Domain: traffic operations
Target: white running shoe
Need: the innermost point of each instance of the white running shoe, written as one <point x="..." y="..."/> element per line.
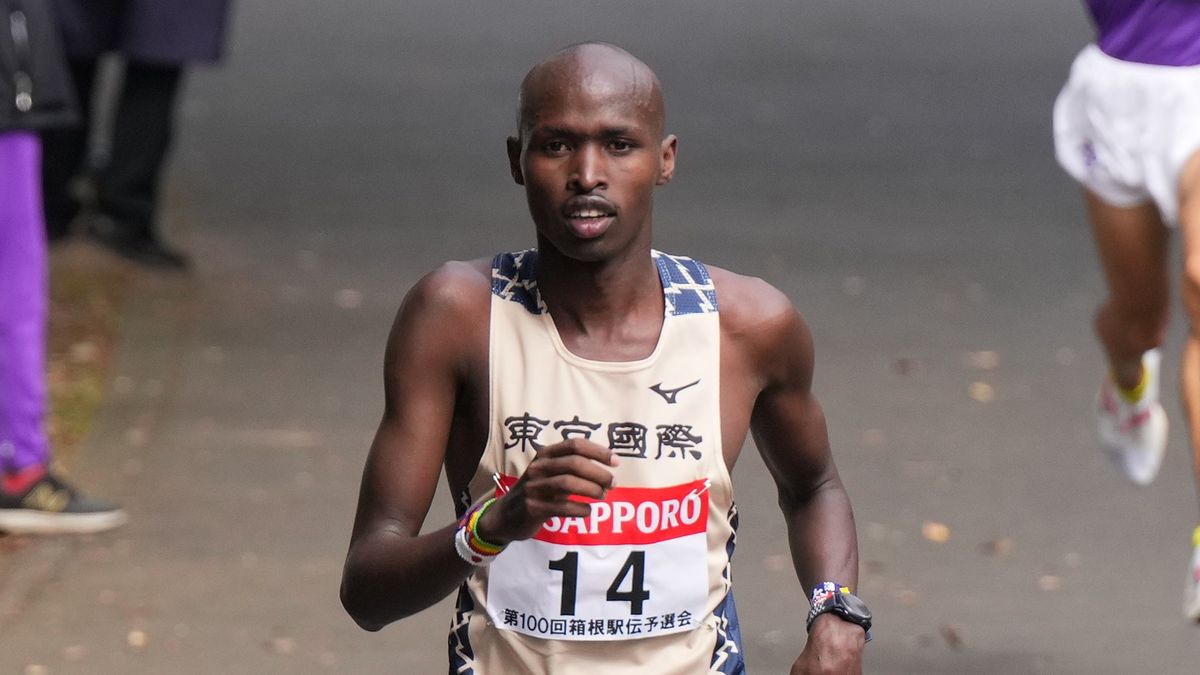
<point x="1191" y="592"/>
<point x="1134" y="434"/>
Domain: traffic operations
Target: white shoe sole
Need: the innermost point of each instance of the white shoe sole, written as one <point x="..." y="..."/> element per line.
<point x="28" y="521"/>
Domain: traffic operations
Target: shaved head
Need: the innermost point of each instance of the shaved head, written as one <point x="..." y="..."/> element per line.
<point x="597" y="68"/>
<point x="590" y="150"/>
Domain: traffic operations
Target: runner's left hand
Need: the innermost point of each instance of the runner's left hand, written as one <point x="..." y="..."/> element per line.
<point x="834" y="648"/>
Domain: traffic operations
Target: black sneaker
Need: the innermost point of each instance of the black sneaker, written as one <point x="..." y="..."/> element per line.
<point x="144" y="249"/>
<point x="50" y="506"/>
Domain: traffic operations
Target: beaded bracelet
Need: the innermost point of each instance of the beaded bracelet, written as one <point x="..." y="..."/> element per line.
<point x="467" y="542"/>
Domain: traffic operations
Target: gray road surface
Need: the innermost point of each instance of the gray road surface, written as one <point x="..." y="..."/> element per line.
<point x="887" y="164"/>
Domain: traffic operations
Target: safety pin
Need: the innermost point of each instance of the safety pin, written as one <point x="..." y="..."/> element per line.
<point x="496" y="480"/>
<point x="699" y="491"/>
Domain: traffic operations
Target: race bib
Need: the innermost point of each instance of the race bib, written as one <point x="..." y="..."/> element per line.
<point x="636" y="567"/>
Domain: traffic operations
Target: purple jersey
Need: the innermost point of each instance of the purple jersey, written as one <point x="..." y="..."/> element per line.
<point x="1159" y="32"/>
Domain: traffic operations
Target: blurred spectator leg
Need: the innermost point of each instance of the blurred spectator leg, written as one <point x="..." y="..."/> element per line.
<point x="64" y="149"/>
<point x="128" y="186"/>
<point x="23" y="307"/>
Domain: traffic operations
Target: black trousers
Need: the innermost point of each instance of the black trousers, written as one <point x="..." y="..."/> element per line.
<point x="127" y="185"/>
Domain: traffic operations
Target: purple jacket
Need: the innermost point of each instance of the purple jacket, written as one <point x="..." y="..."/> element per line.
<point x="153" y="31"/>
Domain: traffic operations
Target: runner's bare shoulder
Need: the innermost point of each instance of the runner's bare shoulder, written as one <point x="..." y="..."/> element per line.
<point x="762" y="323"/>
<point x="446" y="310"/>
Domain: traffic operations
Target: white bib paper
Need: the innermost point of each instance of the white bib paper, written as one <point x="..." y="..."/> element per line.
<point x="637" y="567"/>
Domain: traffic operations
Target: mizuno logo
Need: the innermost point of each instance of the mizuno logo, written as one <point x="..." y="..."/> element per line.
<point x="669" y="395"/>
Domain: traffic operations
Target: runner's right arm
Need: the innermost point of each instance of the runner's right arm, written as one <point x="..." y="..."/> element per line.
<point x="437" y="342"/>
<point x="391" y="570"/>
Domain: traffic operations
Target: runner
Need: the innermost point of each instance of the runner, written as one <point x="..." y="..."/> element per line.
<point x="1127" y="127"/>
<point x="587" y="401"/>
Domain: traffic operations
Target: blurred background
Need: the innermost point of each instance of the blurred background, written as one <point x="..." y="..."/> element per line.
<point x="889" y="165"/>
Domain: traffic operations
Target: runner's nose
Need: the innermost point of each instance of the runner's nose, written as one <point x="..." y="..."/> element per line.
<point x="587" y="170"/>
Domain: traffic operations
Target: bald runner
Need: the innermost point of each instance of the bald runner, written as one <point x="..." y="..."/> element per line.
<point x="587" y="400"/>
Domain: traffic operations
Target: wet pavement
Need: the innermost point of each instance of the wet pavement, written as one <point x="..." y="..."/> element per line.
<point x="888" y="165"/>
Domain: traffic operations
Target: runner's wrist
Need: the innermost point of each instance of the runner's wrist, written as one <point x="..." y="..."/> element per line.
<point x="468" y="544"/>
<point x="487" y="527"/>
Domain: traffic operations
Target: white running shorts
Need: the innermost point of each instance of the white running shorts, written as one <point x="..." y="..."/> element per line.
<point x="1125" y="130"/>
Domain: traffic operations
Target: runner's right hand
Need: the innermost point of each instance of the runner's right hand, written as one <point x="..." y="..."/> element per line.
<point x="572" y="467"/>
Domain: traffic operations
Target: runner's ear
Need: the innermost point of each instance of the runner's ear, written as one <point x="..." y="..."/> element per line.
<point x="667" y="166"/>
<point x="514" y="159"/>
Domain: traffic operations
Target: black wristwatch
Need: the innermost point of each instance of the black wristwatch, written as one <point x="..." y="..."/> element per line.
<point x="838" y="600"/>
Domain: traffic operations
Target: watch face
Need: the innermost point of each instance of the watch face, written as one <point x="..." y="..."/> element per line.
<point x="856" y="605"/>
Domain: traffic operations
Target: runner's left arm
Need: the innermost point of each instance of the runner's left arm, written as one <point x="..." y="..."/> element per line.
<point x="789" y="430"/>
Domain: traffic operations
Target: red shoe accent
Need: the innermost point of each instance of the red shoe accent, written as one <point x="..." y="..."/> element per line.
<point x="1136" y="420"/>
<point x="1108" y="401"/>
<point x="17" y="483"/>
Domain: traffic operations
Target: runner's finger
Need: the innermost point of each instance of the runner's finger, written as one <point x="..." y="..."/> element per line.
<point x="581" y="447"/>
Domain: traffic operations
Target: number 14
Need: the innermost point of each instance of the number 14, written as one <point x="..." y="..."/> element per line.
<point x="635" y="596"/>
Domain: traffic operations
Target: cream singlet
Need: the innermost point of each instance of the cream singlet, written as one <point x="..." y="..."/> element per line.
<point x="642" y="585"/>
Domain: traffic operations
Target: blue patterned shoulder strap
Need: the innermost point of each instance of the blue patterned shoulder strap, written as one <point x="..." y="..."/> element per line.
<point x="514" y="278"/>
<point x="687" y="288"/>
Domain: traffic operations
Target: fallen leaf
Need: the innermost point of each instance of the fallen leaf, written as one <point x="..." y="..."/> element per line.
<point x="348" y="298"/>
<point x="123" y="384"/>
<point x="854" y="285"/>
<point x="982" y="360"/>
<point x="84" y="352"/>
<point x="74" y="652"/>
<point x="777" y="563"/>
<point x="952" y="634"/>
<point x="906" y="366"/>
<point x="1065" y="356"/>
<point x="874" y="438"/>
<point x="137" y="639"/>
<point x="1049" y="582"/>
<point x="773" y="637"/>
<point x="999" y="547"/>
<point x="981" y="392"/>
<point x="935" y="532"/>
<point x="137" y="437"/>
<point x="282" y="645"/>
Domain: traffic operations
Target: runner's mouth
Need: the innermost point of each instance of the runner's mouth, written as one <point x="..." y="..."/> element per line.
<point x="588" y="222"/>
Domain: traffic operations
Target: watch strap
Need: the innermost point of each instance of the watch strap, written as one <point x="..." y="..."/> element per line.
<point x="833" y="598"/>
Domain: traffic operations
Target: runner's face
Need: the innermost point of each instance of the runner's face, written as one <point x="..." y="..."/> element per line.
<point x="590" y="159"/>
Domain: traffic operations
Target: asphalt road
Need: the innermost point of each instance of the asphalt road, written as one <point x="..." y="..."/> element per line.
<point x="887" y="164"/>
